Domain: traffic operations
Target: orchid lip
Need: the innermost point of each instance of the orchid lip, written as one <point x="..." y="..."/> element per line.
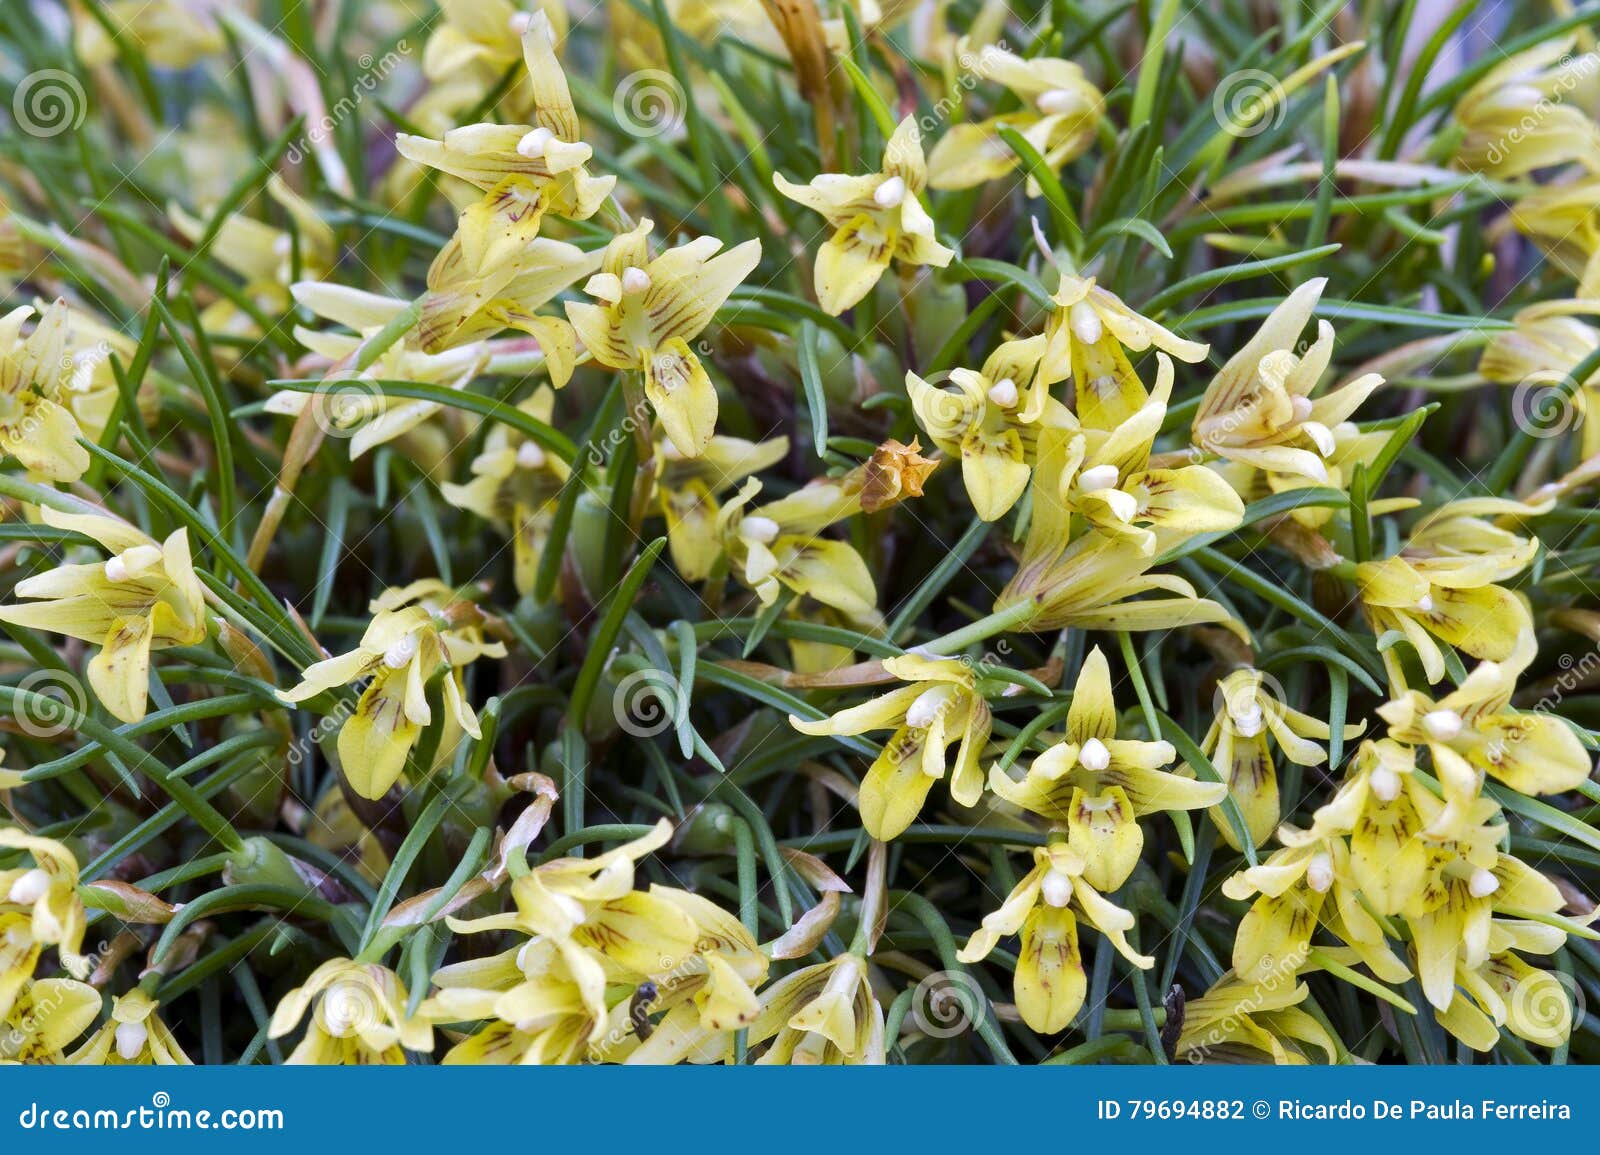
<point x="1004" y="393"/>
<point x="400" y="652"/>
<point x="534" y="143"/>
<point x="29" y="887"/>
<point x="759" y="529"/>
<point x="1056" y="888"/>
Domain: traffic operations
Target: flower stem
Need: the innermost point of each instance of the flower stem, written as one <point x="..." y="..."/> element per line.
<point x="999" y="622"/>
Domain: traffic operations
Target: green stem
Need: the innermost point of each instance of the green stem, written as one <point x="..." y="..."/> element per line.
<point x="999" y="622"/>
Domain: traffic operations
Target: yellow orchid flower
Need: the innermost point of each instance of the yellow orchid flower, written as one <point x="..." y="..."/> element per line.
<point x="46" y="1016"/>
<point x="686" y="491"/>
<point x="1306" y="884"/>
<point x="553" y="1000"/>
<point x="525" y="169"/>
<point x="1090" y="334"/>
<point x="39" y="907"/>
<point x="702" y="1001"/>
<point x="349" y="403"/>
<point x="650" y="309"/>
<point x="1351" y="447"/>
<point x="476" y="288"/>
<point x="780" y="545"/>
<point x="1044" y="910"/>
<point x="1236" y="1017"/>
<point x="1093" y="581"/>
<point x="592" y="933"/>
<point x="1059" y="113"/>
<point x="1472" y="731"/>
<point x="1258" y="409"/>
<point x="1096" y="785"/>
<point x="1108" y="479"/>
<point x="824" y="1014"/>
<point x="1451" y="596"/>
<point x="88" y="384"/>
<point x="1542" y="349"/>
<point x="1452" y="920"/>
<point x="417" y="632"/>
<point x="590" y="910"/>
<point x="535" y="1011"/>
<point x="19" y="953"/>
<point x="941" y="705"/>
<point x="877" y="218"/>
<point x="1239" y="742"/>
<point x="1521" y="117"/>
<point x="1384" y="809"/>
<point x="37" y="428"/>
<point x="134" y="1035"/>
<point x="144" y="597"/>
<point x="485" y="280"/>
<point x="474" y="43"/>
<point x="990" y="421"/>
<point x="515" y="485"/>
<point x="358" y="1017"/>
<point x="1565" y="222"/>
<point x="1505" y="991"/>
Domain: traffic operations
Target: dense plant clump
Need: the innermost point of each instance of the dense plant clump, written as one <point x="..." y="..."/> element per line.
<point x="799" y="531"/>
